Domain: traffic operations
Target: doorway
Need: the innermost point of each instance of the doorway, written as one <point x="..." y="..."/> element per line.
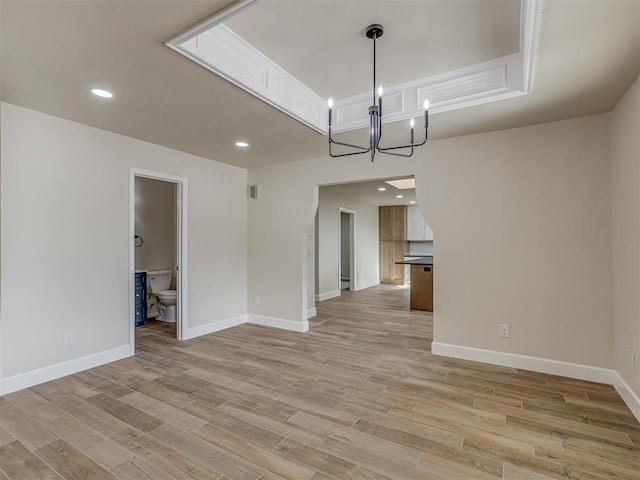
<point x="347" y="249"/>
<point x="157" y="253"/>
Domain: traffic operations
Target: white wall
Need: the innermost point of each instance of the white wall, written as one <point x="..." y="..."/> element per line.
<point x="625" y="155"/>
<point x="366" y="242"/>
<point x="538" y="200"/>
<point x="65" y="238"/>
<point x="285" y="209"/>
<point x="155" y="223"/>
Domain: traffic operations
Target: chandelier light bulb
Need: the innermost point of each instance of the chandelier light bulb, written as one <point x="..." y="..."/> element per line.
<point x="412" y="123"/>
<point x="380" y="91"/>
<point x="426" y="104"/>
<point x="330" y="102"/>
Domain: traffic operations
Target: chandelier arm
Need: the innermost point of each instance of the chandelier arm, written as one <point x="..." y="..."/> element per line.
<point x="364" y="149"/>
<point x="332" y="141"/>
<point x="406" y="155"/>
<point x="410" y="145"/>
<point x="346" y="154"/>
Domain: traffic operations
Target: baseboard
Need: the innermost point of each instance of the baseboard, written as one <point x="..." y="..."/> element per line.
<point x="524" y="362"/>
<point x="215" y="326"/>
<point x="544" y="365"/>
<point x="312" y="312"/>
<point x="46" y="374"/>
<point x="326" y="296"/>
<point x="628" y="395"/>
<point x="278" y="323"/>
<point x="367" y="285"/>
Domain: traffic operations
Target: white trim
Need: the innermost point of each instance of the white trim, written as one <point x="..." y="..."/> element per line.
<point x="628" y="395"/>
<point x="218" y="49"/>
<point x="278" y="323"/>
<point x="529" y="22"/>
<point x="181" y="247"/>
<point x="352" y="247"/>
<point x="544" y="365"/>
<point x="51" y="372"/>
<point x="312" y="312"/>
<point x="215" y="326"/>
<point x="211" y="22"/>
<point x="223" y="52"/>
<point x="524" y="362"/>
<point x="326" y="296"/>
<point x="373" y="283"/>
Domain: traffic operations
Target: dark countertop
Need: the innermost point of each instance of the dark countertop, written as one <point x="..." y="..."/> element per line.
<point x="417" y="261"/>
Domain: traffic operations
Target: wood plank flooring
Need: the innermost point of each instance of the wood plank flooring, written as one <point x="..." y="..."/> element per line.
<point x="357" y="397"/>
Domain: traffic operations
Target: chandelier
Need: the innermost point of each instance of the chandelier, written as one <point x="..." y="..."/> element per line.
<point x="375" y="117"/>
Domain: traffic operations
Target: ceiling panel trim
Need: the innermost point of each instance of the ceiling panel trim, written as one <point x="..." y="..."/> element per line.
<point x="225" y="53"/>
<point x="219" y="49"/>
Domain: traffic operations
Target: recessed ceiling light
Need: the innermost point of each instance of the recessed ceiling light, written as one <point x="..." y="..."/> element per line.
<point x="242" y="144"/>
<point x="381" y="189"/>
<point x="412" y="201"/>
<point x="398" y="196"/>
<point x="102" y="93"/>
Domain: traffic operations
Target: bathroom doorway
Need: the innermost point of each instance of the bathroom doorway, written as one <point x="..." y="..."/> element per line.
<point x="157" y="258"/>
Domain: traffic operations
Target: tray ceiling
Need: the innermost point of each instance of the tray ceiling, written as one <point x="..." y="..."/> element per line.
<point x="455" y="54"/>
<point x="55" y="51"/>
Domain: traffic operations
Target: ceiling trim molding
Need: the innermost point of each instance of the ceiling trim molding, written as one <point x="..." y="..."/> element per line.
<point x="220" y="50"/>
<point x="529" y="22"/>
<point x="210" y="22"/>
<point x="228" y="55"/>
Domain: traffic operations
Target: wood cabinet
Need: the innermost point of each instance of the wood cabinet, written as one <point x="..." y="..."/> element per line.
<point x="392" y="222"/>
<point x="417" y="228"/>
<point x="391" y="251"/>
<point x="421" y="288"/>
<point x="392" y="243"/>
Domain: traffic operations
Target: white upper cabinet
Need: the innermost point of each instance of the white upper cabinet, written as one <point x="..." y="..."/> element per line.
<point x="417" y="228"/>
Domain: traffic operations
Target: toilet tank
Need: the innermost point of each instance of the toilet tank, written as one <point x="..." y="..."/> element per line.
<point x="159" y="280"/>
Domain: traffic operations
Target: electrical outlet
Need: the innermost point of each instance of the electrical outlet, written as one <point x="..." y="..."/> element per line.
<point x="632" y="361"/>
<point x="67" y="338"/>
<point x="256" y="300"/>
<point x="504" y="330"/>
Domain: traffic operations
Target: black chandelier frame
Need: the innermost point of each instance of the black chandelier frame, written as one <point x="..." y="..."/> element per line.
<point x="374" y="32"/>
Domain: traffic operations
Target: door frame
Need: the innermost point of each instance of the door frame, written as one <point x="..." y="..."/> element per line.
<point x="352" y="247"/>
<point x="181" y="249"/>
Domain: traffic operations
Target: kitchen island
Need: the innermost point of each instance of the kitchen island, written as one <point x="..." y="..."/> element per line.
<point x="421" y="297"/>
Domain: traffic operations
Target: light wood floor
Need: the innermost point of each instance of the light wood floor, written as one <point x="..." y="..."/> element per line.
<point x="357" y="397"/>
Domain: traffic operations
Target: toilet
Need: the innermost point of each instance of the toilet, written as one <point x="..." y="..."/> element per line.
<point x="159" y="282"/>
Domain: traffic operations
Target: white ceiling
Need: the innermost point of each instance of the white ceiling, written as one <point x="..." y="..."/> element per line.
<point x="324" y="46"/>
<point x="367" y="192"/>
<point x="54" y="51"/>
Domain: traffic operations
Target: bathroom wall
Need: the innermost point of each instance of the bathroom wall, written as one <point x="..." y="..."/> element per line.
<point x="155" y="222"/>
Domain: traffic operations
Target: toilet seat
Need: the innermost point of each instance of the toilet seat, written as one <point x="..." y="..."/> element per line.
<point x="168" y="294"/>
